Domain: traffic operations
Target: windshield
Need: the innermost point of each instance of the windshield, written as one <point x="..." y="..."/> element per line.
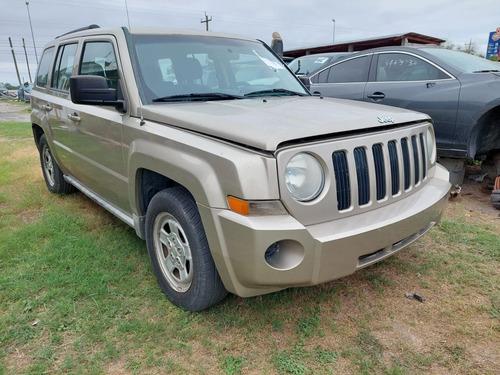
<point x="464" y="61"/>
<point x="175" y="68"/>
<point x="308" y="64"/>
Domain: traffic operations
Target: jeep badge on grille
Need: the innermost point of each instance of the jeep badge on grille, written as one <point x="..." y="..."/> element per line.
<point x="386" y="120"/>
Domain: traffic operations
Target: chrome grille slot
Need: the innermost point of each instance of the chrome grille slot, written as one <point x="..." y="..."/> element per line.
<point x="342" y="177"/>
<point x="393" y="157"/>
<point x="422" y="151"/>
<point x="378" y="159"/>
<point x="416" y="162"/>
<point x="406" y="162"/>
<point x="362" y="176"/>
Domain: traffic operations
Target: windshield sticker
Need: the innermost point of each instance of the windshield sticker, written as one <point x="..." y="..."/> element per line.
<point x="271" y="64"/>
<point x="321" y="60"/>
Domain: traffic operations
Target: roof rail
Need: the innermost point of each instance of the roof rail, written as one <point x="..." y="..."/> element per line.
<point x="93" y="26"/>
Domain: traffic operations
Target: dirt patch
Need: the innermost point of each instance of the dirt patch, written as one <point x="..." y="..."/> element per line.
<point x="476" y="196"/>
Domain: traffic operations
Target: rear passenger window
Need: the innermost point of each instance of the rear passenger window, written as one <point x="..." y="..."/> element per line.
<point x="404" y="67"/>
<point x="44" y="68"/>
<point x="323" y="76"/>
<point x="64" y="67"/>
<point x="354" y="70"/>
<point x="99" y="59"/>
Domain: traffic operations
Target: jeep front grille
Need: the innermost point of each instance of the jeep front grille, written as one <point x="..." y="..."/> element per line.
<point x="406" y="161"/>
<point x="362" y="172"/>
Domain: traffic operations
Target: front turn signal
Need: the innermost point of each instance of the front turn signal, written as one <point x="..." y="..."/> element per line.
<point x="255" y="208"/>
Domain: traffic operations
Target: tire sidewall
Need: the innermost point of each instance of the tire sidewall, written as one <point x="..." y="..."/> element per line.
<point x="44" y="146"/>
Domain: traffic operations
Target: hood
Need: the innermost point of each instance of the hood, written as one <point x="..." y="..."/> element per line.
<point x="265" y="123"/>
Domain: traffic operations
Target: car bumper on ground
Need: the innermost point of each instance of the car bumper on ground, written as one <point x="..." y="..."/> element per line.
<point x="258" y="255"/>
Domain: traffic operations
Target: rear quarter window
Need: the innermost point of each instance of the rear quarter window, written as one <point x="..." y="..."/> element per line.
<point x="44" y="68"/>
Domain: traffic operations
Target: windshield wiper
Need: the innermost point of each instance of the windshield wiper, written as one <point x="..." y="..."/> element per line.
<point x="276" y="92"/>
<point x="487" y="71"/>
<point x="197" y="97"/>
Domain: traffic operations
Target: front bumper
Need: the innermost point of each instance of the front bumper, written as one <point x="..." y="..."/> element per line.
<point x="314" y="254"/>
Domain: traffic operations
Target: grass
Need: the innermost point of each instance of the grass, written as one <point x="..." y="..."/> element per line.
<point x="77" y="295"/>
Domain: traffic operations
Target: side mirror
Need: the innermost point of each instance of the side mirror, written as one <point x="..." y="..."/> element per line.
<point x="94" y="90"/>
<point x="306" y="81"/>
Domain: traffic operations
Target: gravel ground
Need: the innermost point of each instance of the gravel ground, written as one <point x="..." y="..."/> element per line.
<point x="13" y="111"/>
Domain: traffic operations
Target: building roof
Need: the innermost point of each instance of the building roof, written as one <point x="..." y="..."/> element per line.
<point x="362" y="44"/>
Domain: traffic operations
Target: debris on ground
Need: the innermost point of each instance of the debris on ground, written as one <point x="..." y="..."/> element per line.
<point x="415" y="296"/>
<point x="478" y="177"/>
<point x="455" y="191"/>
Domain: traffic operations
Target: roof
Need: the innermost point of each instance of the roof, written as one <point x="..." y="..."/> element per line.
<point x="362" y="44"/>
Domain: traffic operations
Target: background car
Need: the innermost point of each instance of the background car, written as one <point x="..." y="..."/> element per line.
<point x="306" y="65"/>
<point x="461" y="92"/>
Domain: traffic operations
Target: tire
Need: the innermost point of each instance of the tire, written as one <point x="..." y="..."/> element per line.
<point x="179" y="251"/>
<point x="495" y="199"/>
<point x="54" y="178"/>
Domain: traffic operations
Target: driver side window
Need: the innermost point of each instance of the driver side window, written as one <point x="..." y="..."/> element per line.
<point x="99" y="59"/>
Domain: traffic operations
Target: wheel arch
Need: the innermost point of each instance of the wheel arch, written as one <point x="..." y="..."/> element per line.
<point x="37" y="134"/>
<point x="148" y="184"/>
<point x="485" y="137"/>
<point x="153" y="175"/>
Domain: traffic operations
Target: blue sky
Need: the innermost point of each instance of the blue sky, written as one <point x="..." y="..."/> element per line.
<point x="300" y="23"/>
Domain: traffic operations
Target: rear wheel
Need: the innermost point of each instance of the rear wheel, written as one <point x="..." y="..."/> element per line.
<point x="54" y="178"/>
<point x="179" y="251"/>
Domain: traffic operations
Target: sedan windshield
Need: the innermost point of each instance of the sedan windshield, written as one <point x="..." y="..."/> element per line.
<point x="466" y="62"/>
<point x="174" y="68"/>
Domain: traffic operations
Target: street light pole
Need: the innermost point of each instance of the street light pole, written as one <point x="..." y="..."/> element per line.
<point x="31" y="27"/>
<point x="333" y="20"/>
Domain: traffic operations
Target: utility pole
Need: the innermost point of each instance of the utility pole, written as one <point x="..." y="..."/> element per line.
<point x="207" y="20"/>
<point x="27" y="63"/>
<point x="15" y="61"/>
<point x="31" y="27"/>
<point x="333" y="30"/>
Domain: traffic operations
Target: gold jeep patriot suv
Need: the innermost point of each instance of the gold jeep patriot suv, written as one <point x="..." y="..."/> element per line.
<point x="238" y="179"/>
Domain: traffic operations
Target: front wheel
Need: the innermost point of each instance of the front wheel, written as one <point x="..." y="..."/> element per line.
<point x="179" y="251"/>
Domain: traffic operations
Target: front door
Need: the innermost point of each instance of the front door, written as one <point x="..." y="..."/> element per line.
<point x="97" y="140"/>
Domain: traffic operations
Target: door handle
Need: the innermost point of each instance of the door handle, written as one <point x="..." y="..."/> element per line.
<point x="377" y="96"/>
<point x="46" y="107"/>
<point x="74" y="117"/>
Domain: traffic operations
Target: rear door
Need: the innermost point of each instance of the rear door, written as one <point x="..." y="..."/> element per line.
<point x="408" y="81"/>
<point x="56" y="108"/>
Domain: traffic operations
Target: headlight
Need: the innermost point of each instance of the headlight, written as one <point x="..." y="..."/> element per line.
<point x="431" y="145"/>
<point x="304" y="177"/>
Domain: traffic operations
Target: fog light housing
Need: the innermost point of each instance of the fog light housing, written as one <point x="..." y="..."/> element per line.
<point x="284" y="255"/>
